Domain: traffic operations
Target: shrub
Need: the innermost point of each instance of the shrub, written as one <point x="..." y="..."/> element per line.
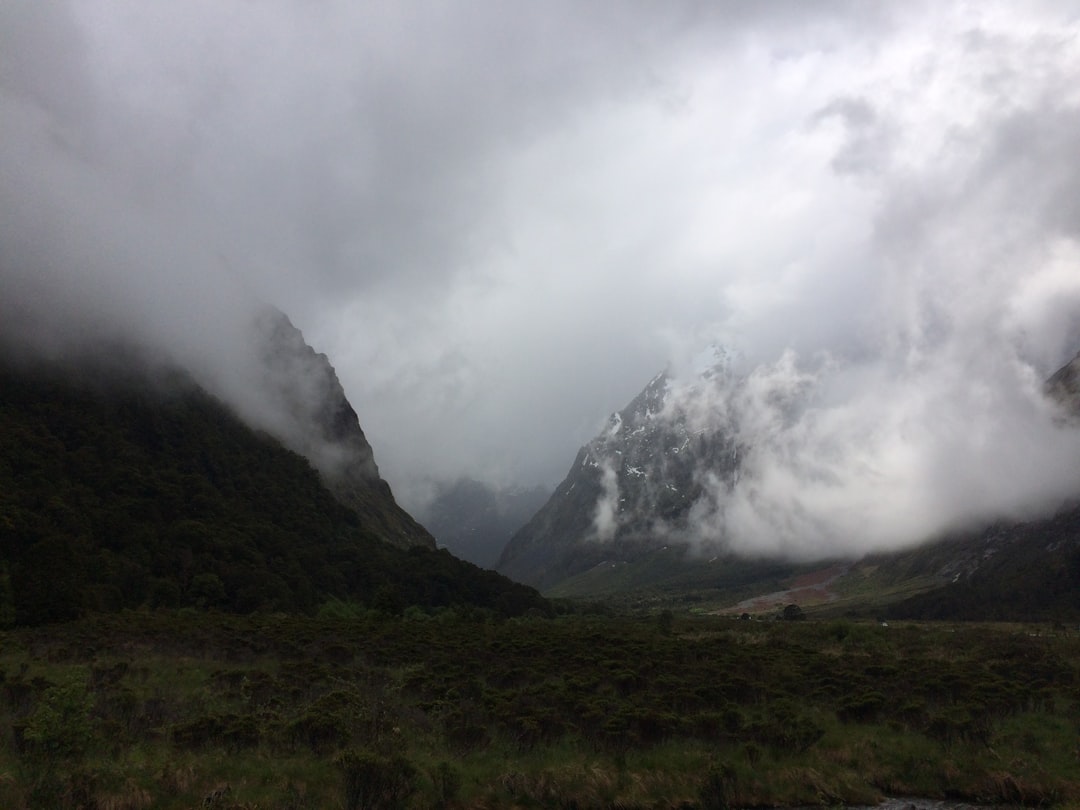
<point x="863" y="707"/>
<point x="60" y="726"/>
<point x="447" y="781"/>
<point x="374" y="782"/>
<point x="320" y="730"/>
<point x="793" y="613"/>
<point x="717" y="791"/>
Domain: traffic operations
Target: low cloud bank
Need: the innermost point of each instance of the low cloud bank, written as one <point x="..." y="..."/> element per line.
<point x="850" y="459"/>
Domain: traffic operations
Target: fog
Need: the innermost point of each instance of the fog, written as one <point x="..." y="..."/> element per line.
<point x="499" y="223"/>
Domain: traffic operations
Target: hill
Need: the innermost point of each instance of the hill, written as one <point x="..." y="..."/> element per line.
<point x="1028" y="571"/>
<point x="126" y="486"/>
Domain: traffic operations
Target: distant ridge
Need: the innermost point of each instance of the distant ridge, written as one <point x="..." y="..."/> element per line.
<point x="474" y="520"/>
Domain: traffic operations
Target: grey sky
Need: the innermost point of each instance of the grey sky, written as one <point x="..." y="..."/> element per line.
<point x="500" y="220"/>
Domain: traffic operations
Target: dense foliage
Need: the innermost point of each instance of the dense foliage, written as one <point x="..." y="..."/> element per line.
<point x="137" y="493"/>
<point x="184" y="709"/>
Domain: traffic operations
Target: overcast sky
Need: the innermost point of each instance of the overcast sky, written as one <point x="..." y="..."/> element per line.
<point x="500" y="220"/>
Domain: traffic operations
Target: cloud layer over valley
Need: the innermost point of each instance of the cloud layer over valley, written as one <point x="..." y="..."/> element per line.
<point x="499" y="222"/>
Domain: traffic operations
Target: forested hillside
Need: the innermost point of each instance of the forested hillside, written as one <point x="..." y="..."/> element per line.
<point x="124" y="493"/>
<point x="1027" y="572"/>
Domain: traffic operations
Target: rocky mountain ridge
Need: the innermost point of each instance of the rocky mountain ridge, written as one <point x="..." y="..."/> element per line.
<point x="313" y="417"/>
<point x="633" y="486"/>
<point x="1064" y="387"/>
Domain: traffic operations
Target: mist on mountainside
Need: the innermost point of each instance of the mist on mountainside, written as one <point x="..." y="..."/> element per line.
<point x="790" y="461"/>
<point x="843" y="460"/>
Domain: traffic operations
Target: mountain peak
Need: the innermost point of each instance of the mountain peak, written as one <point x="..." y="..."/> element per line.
<point x="310" y="414"/>
<point x="632" y="487"/>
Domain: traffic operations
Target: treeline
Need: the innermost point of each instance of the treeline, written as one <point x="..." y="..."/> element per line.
<point x="139" y="493"/>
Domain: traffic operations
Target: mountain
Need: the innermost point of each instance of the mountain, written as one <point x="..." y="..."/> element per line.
<point x="475" y="520"/>
<point x="315" y="419"/>
<point x="125" y="485"/>
<point x="616" y="528"/>
<point x="632" y="488"/>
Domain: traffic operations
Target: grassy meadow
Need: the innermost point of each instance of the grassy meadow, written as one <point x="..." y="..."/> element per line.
<point x="459" y="709"/>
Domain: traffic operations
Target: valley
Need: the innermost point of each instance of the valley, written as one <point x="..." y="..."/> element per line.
<point x="192" y="614"/>
<point x="539" y="406"/>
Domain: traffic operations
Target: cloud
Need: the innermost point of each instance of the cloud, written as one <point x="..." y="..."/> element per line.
<point x="499" y="222"/>
<point x="931" y="417"/>
<point x="606" y="514"/>
<point x="846" y="460"/>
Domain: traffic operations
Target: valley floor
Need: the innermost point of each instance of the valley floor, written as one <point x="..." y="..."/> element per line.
<point x="458" y="709"/>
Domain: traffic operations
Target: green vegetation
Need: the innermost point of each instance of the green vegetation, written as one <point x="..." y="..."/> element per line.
<point x="673" y="576"/>
<point x="188" y="619"/>
<point x="152" y="494"/>
<point x="459" y="708"/>
<point x="1030" y="570"/>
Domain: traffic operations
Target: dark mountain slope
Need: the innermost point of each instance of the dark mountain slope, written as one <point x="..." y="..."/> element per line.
<point x="1019" y="572"/>
<point x="118" y="492"/>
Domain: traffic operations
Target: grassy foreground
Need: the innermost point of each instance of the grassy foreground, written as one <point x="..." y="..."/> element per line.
<point x="358" y="710"/>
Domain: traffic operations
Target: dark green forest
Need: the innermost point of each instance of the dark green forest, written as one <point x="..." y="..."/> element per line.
<point x="133" y="490"/>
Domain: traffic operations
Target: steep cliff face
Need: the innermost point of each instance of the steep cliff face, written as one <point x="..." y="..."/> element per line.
<point x="631" y="489"/>
<point x="306" y="408"/>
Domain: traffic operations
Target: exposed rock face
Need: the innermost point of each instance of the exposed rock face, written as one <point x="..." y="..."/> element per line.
<point x="1064" y="387"/>
<point x="639" y="485"/>
<point x="632" y="488"/>
<point x="309" y="412"/>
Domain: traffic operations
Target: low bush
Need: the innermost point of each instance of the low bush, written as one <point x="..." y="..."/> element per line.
<point x="375" y="782"/>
